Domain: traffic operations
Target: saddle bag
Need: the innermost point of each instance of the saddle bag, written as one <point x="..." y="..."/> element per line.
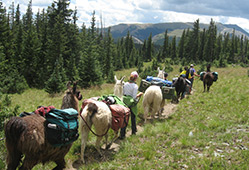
<point x="120" y="116"/>
<point x="215" y="74"/>
<point x="202" y="75"/>
<point x="168" y="92"/>
<point x="144" y="85"/>
<point x="62" y="126"/>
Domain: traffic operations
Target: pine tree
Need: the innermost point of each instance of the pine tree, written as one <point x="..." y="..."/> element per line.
<point x="173" y="49"/>
<point x="181" y="46"/>
<point x="55" y="83"/>
<point x="149" y="48"/>
<point x="195" y="41"/>
<point x="165" y="50"/>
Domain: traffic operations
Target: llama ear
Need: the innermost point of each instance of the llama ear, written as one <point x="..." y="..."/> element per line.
<point x="74" y="86"/>
<point x="163" y="68"/>
<point x="115" y="77"/>
<point x="68" y="84"/>
<point x="158" y="69"/>
<point x="122" y="78"/>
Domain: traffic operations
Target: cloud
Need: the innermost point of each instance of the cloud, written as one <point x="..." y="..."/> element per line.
<point x="152" y="11"/>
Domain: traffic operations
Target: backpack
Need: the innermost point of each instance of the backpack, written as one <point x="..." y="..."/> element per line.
<point x="61" y="126"/>
<point x="191" y="71"/>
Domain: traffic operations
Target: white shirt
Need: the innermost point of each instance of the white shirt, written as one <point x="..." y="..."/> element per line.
<point x="130" y="89"/>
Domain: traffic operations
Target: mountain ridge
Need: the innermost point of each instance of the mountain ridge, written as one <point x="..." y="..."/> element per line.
<point x="141" y="32"/>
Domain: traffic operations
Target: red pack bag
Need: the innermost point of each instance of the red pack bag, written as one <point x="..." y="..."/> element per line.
<point x="120" y="116"/>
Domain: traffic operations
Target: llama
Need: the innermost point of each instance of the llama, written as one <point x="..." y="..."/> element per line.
<point x="118" y="87"/>
<point x="153" y="102"/>
<point x="180" y="87"/>
<point x="208" y="79"/>
<point x="160" y="73"/>
<point x="26" y="136"/>
<point x="99" y="115"/>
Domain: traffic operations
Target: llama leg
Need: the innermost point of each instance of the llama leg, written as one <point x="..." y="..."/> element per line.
<point x="204" y="85"/>
<point x="13" y="159"/>
<point x="98" y="145"/>
<point x="28" y="164"/>
<point x="61" y="164"/>
<point x="106" y="141"/>
<point x="84" y="137"/>
<point x="114" y="138"/>
<point x="146" y="111"/>
<point x="161" y="108"/>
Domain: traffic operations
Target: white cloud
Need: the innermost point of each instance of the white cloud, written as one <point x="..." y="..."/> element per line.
<point x="151" y="11"/>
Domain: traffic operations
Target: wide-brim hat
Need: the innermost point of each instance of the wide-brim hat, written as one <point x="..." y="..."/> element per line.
<point x="191" y="65"/>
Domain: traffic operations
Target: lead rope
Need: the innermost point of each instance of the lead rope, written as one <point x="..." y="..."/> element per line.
<point x="92" y="130"/>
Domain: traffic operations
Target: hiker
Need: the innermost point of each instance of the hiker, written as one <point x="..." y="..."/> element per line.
<point x="131" y="98"/>
<point x="166" y="76"/>
<point x="185" y="72"/>
<point x="192" y="73"/>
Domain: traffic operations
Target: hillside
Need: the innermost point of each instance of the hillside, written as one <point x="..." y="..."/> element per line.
<point x="140" y="32"/>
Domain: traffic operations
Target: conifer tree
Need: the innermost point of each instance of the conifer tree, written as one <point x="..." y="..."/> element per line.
<point x="181" y="46"/>
<point x="165" y="50"/>
<point x="195" y="41"/>
<point x="173" y="49"/>
<point x="55" y="83"/>
<point x="149" y="48"/>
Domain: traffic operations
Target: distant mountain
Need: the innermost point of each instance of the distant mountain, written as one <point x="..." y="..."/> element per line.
<point x="140" y="32"/>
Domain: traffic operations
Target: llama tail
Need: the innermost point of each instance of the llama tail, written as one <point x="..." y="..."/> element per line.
<point x="13" y="129"/>
<point x="92" y="109"/>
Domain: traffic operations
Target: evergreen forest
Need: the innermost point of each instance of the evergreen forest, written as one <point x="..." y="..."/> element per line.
<point x="47" y="49"/>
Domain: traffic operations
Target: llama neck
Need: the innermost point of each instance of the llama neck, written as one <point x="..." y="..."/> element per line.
<point x="118" y="92"/>
<point x="70" y="101"/>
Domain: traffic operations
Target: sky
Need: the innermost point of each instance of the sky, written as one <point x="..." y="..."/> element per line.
<point x="115" y="12"/>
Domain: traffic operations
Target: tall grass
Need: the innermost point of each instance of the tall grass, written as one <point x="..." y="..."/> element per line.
<point x="218" y="122"/>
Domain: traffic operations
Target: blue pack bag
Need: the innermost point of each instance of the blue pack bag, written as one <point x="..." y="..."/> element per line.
<point x="62" y="126"/>
<point x="158" y="81"/>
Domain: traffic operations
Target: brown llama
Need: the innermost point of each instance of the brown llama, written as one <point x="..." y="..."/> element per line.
<point x="208" y="79"/>
<point x="25" y="136"/>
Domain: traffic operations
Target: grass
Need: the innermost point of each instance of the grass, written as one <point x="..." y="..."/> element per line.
<point x="218" y="120"/>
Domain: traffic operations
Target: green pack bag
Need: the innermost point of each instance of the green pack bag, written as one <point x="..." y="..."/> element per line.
<point x="62" y="126"/>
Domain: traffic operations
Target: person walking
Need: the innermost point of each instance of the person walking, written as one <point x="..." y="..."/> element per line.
<point x="131" y="98"/>
<point x="193" y="74"/>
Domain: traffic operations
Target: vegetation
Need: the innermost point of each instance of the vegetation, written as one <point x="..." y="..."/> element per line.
<point x="218" y="121"/>
<point x="49" y="49"/>
<point x="39" y="54"/>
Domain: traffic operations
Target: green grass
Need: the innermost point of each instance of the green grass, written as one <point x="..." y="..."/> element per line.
<point x="219" y="121"/>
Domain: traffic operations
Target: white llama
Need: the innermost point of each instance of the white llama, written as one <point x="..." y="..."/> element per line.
<point x="99" y="115"/>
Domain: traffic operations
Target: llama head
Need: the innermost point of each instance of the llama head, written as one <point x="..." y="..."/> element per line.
<point x="160" y="73"/>
<point x="118" y="87"/>
<point x="73" y="90"/>
<point x="71" y="97"/>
